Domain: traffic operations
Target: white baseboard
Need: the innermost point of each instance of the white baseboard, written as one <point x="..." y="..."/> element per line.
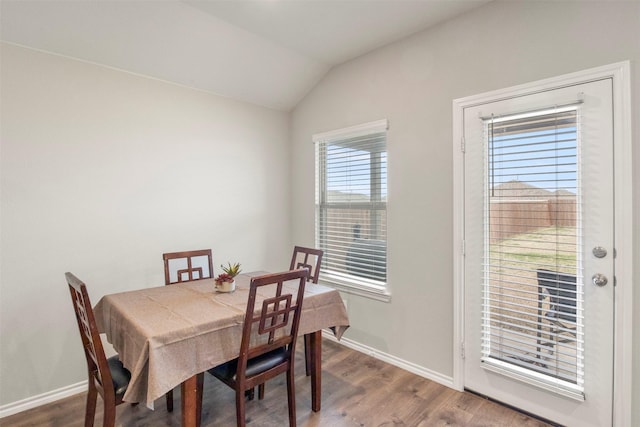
<point x="42" y="399"/>
<point x="393" y="360"/>
<point x="70" y="390"/>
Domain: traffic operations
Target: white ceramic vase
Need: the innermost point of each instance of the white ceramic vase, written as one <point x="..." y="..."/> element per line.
<point x="226" y="286"/>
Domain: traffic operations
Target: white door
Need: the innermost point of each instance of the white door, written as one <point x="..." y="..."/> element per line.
<point x="539" y="252"/>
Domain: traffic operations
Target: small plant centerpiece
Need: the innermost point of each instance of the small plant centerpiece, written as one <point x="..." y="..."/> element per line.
<point x="225" y="282"/>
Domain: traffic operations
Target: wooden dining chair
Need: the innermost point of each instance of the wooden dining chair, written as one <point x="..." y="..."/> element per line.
<point x="310" y="259"/>
<point x="107" y="377"/>
<point x="268" y="339"/>
<point x="186" y="266"/>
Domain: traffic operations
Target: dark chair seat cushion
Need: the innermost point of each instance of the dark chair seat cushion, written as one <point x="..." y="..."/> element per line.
<point x="227" y="371"/>
<point x="119" y="374"/>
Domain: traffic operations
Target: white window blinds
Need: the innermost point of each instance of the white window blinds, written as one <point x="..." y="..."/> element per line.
<point x="351" y="204"/>
<point x="532" y="298"/>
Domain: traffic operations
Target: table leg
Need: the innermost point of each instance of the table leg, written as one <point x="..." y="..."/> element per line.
<point x="315" y="341"/>
<point x="191" y="398"/>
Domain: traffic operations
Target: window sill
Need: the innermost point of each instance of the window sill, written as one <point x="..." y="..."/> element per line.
<point x="378" y="293"/>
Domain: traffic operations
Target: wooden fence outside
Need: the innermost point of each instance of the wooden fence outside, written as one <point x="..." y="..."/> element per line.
<point x="511" y="217"/>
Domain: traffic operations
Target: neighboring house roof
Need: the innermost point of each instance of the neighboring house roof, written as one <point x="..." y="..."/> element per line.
<point x="519" y="189"/>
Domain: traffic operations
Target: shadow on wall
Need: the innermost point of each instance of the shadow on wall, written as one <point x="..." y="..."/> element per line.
<point x="367" y="257"/>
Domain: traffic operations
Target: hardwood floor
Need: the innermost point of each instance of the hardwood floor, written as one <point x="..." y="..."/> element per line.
<point x="357" y="390"/>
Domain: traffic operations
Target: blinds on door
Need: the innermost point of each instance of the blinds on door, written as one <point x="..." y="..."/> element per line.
<point x="532" y="294"/>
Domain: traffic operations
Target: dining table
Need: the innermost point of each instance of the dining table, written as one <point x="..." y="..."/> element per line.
<point x="170" y="335"/>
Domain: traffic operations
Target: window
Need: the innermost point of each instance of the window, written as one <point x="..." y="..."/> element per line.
<point x="351" y="207"/>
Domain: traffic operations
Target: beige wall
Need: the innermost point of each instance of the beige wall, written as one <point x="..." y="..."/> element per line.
<point x="412" y="83"/>
<point x="103" y="171"/>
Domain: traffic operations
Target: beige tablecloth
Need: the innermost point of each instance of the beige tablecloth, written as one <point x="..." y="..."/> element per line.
<point x="167" y="334"/>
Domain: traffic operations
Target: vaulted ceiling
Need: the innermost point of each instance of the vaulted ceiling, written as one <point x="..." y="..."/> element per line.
<point x="267" y="52"/>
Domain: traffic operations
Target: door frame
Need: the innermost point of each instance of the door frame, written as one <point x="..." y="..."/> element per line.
<point x="623" y="222"/>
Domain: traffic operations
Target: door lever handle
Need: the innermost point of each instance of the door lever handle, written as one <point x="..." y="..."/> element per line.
<point x="599" y="279"/>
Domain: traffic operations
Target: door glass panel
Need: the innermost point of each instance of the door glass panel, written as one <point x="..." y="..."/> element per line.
<point x="532" y="292"/>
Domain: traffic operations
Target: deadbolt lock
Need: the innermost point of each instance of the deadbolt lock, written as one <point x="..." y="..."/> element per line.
<point x="599" y="252"/>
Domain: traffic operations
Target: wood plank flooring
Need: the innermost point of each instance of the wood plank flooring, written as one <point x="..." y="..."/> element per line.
<point x="357" y="390"/>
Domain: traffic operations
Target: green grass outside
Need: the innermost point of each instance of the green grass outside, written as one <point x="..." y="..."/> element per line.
<point x="514" y="281"/>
